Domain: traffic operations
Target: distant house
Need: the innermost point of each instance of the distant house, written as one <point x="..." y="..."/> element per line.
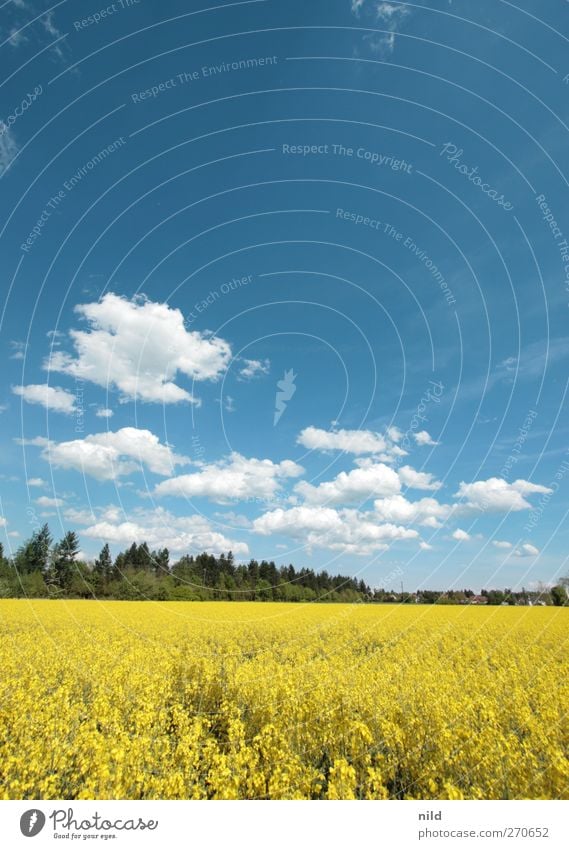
<point x="478" y="599"/>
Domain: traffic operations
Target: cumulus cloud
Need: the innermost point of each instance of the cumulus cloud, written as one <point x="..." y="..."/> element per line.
<point x="424" y="438"/>
<point x="426" y="511"/>
<point x="161" y="529"/>
<point x="352" y="442"/>
<point x="104" y="413"/>
<point x="51" y="397"/>
<point x="370" y="479"/>
<point x="44" y="501"/>
<point x="345" y="531"/>
<point x="526" y="550"/>
<point x="111" y="455"/>
<point x="498" y="495"/>
<point x="18" y="349"/>
<point x="139" y="347"/>
<point x="352" y="487"/>
<point x="497" y="543"/>
<point x="36" y="482"/>
<point x="418" y="480"/>
<point x="233" y="478"/>
<point x="461" y="536"/>
<point x="254" y="368"/>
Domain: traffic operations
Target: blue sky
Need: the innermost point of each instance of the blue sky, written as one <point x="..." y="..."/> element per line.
<point x="290" y="281"/>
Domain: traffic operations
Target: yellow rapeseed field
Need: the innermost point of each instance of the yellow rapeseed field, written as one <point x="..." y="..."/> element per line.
<point x="274" y="701"/>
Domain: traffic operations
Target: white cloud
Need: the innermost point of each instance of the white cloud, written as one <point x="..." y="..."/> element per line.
<point x="346" y="531"/>
<point x="161" y="529"/>
<point x="418" y="480"/>
<point x="17" y="37"/>
<point x="44" y="501"/>
<point x="461" y="536"/>
<point x="8" y="148"/>
<point x="254" y="368"/>
<point x="139" y="347"/>
<point x="51" y="397"/>
<point x="501" y="544"/>
<point x="110" y="455"/>
<point x="229" y="404"/>
<point x="352" y="487"/>
<point x="389" y="16"/>
<point x="394" y="434"/>
<point x="233" y="478"/>
<point x="389" y="11"/>
<point x="236" y="520"/>
<point x="3" y="522"/>
<point x="526" y="550"/>
<point x="350" y="441"/>
<point x="49" y="25"/>
<point x="36" y="482"/>
<point x="79" y="517"/>
<point x="104" y="413"/>
<point x="498" y="495"/>
<point x="18" y="350"/>
<point x="426" y="511"/>
<point x="424" y="438"/>
<point x="424" y="546"/>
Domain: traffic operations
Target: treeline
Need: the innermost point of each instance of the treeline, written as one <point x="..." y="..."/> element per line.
<point x="42" y="568"/>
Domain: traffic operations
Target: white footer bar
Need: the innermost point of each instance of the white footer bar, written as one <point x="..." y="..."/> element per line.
<point x="272" y="825"/>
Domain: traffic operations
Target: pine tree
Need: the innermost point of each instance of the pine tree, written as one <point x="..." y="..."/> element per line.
<point x="33" y="556"/>
<point x="64" y="556"/>
<point x="103" y="566"/>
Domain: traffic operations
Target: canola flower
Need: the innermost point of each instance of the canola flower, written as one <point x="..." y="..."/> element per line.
<point x="126" y="700"/>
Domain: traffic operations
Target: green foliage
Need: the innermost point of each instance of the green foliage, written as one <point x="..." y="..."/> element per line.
<point x="40" y="569"/>
<point x="559" y="596"/>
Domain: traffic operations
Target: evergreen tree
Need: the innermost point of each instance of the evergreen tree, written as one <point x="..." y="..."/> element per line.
<point x="64" y="556"/>
<point x="103" y="566"/>
<point x="33" y="556"/>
